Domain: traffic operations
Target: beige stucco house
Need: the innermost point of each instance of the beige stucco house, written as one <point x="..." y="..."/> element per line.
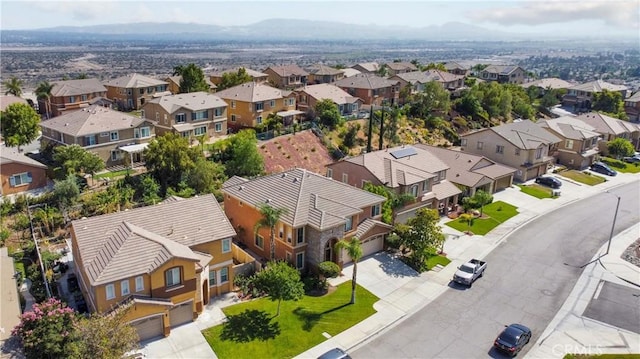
<point x="579" y="145"/>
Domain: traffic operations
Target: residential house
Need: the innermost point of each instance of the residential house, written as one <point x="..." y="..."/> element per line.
<point x="250" y="104"/>
<point x="108" y="133"/>
<point x="522" y="145"/>
<point x="174" y="84"/>
<point x="580" y="97"/>
<point x="395" y="68"/>
<point x="6" y="100"/>
<point x="152" y="262"/>
<point x="256" y="76"/>
<point x="348" y="72"/>
<point x="403" y="170"/>
<point x="71" y="95"/>
<point x="611" y="128"/>
<point x="367" y="67"/>
<point x="189" y="114"/>
<point x="19" y="172"/>
<point x="632" y="107"/>
<point x="456" y="69"/>
<point x="579" y="145"/>
<point x="549" y="83"/>
<point x="308" y="96"/>
<point x="372" y="89"/>
<point x="504" y="74"/>
<point x="318" y="213"/>
<point x="132" y="91"/>
<point x="322" y="74"/>
<point x="418" y="79"/>
<point x="287" y="77"/>
<point x="472" y="172"/>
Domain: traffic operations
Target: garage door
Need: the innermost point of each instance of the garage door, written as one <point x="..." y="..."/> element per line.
<point x="369" y="246"/>
<point x="148" y="328"/>
<point x="181" y="314"/>
<point x="502" y="183"/>
<point x="405" y="216"/>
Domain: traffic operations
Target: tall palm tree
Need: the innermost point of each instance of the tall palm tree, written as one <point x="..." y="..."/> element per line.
<point x="270" y="217"/>
<point x="13" y="86"/>
<point x="43" y="92"/>
<point x="354" y="250"/>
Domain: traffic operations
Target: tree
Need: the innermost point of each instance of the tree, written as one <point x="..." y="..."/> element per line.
<point x="74" y="159"/>
<point x="46" y="332"/>
<point x="351" y="136"/>
<point x="82" y="76"/>
<point x="422" y="236"/>
<point x="549" y="99"/>
<point x="49" y="218"/>
<point x="393" y="202"/>
<point x="20" y="124"/>
<point x="281" y="282"/>
<point x="482" y="198"/>
<point x="149" y="190"/>
<point x="328" y="113"/>
<point x="620" y="147"/>
<point x="610" y="102"/>
<point x="66" y="193"/>
<point x="192" y="78"/>
<point x="105" y="337"/>
<point x="468" y="219"/>
<point x="231" y="79"/>
<point x="169" y="158"/>
<point x="206" y="176"/>
<point x="433" y="99"/>
<point x="13" y="86"/>
<point x="43" y="92"/>
<point x="269" y="219"/>
<point x="353" y="248"/>
<point x="243" y="157"/>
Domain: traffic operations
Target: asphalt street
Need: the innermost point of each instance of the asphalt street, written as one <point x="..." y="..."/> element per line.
<point x="529" y="276"/>
<point x="616" y="305"/>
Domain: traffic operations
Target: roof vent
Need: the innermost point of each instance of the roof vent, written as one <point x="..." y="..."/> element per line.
<point x="295" y="180"/>
<point x="66" y="124"/>
<point x="469" y="161"/>
<point x="284" y="175"/>
<point x="241" y="188"/>
<point x="267" y="200"/>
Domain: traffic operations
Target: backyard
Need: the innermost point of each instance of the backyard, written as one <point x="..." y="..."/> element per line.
<point x="299" y="327"/>
<point x="582" y="177"/>
<point x="493" y="215"/>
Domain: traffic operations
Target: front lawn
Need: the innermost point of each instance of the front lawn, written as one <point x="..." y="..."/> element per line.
<point x="621" y="166"/>
<point x="536" y="190"/>
<point x="253" y="331"/>
<point x="497" y="212"/>
<point x="583" y="177"/>
<point x="437" y="259"/>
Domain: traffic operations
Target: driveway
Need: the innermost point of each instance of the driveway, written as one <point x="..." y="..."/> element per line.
<point x="185" y="341"/>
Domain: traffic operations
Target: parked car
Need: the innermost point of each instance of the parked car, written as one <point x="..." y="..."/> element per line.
<point x="632" y="159"/>
<point x="335" y="353"/>
<point x="512" y="339"/>
<point x="549" y="181"/>
<point x="469" y="272"/>
<point x="603" y="168"/>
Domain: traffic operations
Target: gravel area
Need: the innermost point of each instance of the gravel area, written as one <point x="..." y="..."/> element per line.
<point x="632" y="253"/>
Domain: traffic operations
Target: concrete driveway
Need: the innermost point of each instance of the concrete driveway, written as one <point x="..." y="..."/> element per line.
<point x="185" y="341"/>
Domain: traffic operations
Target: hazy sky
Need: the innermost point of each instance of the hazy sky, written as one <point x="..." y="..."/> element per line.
<point x="602" y="17"/>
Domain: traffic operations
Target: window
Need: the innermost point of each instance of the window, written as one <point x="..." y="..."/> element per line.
<point x="463" y="142"/>
<point x="115" y="155"/>
<point x="414" y="190"/>
<point x="173" y="277"/>
<point x="300" y="260"/>
<point x="110" y="291"/>
<point x="157" y="116"/>
<point x="375" y="210"/>
<point x="84" y="97"/>
<point x="224" y="275"/>
<point x="499" y="149"/>
<point x="259" y="120"/>
<point x="348" y="225"/>
<point x="199" y="131"/>
<point x="330" y="172"/>
<point x="166" y="119"/>
<point x="300" y="235"/>
<point x="272" y="103"/>
<point x="217" y="112"/>
<point x="517" y="152"/>
<point x="288" y="235"/>
<point x="212" y="277"/>
<point x="72" y="99"/>
<point x="281" y="230"/>
<point x="139" y="284"/>
<point x="226" y="245"/>
<point x="142" y="132"/>
<point x="114" y="136"/>
<point x="199" y="115"/>
<point x="233" y="118"/>
<point x="539" y="153"/>
<point x="425" y="185"/>
<point x="124" y="287"/>
<point x="20" y="179"/>
<point x="233" y="104"/>
<point x="180" y="118"/>
<point x="290" y="101"/>
<point x="479" y="145"/>
<point x="90" y="140"/>
<point x="185" y="133"/>
<point x="568" y="144"/>
<point x="259" y="241"/>
<point x="218" y="127"/>
<point x="259" y="106"/>
<point x="142" y="91"/>
<point x="345" y="178"/>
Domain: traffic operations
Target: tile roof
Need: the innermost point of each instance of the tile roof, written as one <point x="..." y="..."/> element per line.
<point x="634" y="98"/>
<point x="452" y="65"/>
<point x="608" y="125"/>
<point x="570" y="127"/>
<point x="329" y="91"/>
<point x="549" y="82"/>
<point x="367" y="225"/>
<point x="525" y="134"/>
<point x="193" y="101"/>
<point x="124" y="244"/>
<point x="77" y="87"/>
<point x="369" y="66"/>
<point x="597" y="86"/>
<point x="400" y="66"/>
<point x="365" y="81"/>
<point x="501" y="69"/>
<point x="91" y="120"/>
<point x="445" y="189"/>
<point x="250" y="72"/>
<point x="134" y="81"/>
<point x="6" y="100"/>
<point x="348" y="72"/>
<point x="176" y="80"/>
<point x="288" y="70"/>
<point x="11" y="155"/>
<point x="310" y="199"/>
<point x="252" y="92"/>
<point x="428" y="76"/>
<point x="320" y="69"/>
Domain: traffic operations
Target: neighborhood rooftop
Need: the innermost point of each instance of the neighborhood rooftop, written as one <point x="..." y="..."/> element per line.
<point x="134" y="81"/>
<point x="92" y="120"/>
<point x="252" y="92"/>
<point x="525" y="134"/>
<point x="194" y="101"/>
<point x="77" y="87"/>
<point x="365" y="81"/>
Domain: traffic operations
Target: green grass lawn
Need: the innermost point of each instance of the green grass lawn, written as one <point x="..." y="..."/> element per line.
<point x="19" y="266"/>
<point x="255" y="333"/>
<point x="497" y="212"/>
<point x="536" y="190"/>
<point x="112" y="174"/>
<point x="438" y="259"/>
<point x="621" y="166"/>
<point x="583" y="177"/>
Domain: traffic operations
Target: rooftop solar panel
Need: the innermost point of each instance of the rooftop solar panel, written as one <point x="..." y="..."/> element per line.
<point x="409" y="151"/>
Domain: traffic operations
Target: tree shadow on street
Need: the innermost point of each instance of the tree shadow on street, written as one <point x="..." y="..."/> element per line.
<point x="311" y="318"/>
<point x="248" y="326"/>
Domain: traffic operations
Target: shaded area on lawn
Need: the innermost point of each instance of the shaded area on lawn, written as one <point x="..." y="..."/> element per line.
<point x="311" y="318"/>
<point x="582" y="177"/>
<point x="622" y="166"/>
<point x="249" y="325"/>
<point x="536" y="190"/>
<point x="496" y="213"/>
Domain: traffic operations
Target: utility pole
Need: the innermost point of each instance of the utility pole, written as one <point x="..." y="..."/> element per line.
<point x="615" y="216"/>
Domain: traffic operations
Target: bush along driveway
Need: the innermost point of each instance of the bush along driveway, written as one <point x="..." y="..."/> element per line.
<point x="493" y="215"/>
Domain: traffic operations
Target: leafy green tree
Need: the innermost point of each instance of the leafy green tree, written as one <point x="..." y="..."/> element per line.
<point x="13" y="86"/>
<point x="66" y="193"/>
<point x="206" y="176"/>
<point x="48" y="218"/>
<point x="433" y="66"/>
<point x="328" y="113"/>
<point x="382" y="71"/>
<point x="620" y="147"/>
<point x="43" y="92"/>
<point x="281" y="282"/>
<point x="192" y="78"/>
<point x="20" y="124"/>
<point x="242" y="155"/>
<point x="482" y="198"/>
<point x="353" y="248"/>
<point x="269" y="219"/>
<point x="74" y="159"/>
<point x="231" y="79"/>
<point x="149" y="190"/>
<point x="351" y="136"/>
<point x="520" y="101"/>
<point x="82" y="76"/>
<point x="393" y="202"/>
<point x="468" y="219"/>
<point x="549" y="99"/>
<point x="470" y="105"/>
<point x="103" y="336"/>
<point x="169" y="158"/>
<point x="610" y="102"/>
<point x="434" y="99"/>
<point x="422" y="236"/>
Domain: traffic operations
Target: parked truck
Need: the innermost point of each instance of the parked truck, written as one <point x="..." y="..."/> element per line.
<point x="469" y="272"/>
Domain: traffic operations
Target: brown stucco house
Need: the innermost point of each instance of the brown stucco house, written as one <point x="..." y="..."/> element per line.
<point x="108" y="133"/>
<point x="319" y="212"/>
<point x="395" y="68"/>
<point x="579" y="145"/>
<point x="522" y="145"/>
<point x="372" y="89"/>
<point x="610" y="128"/>
<point x="287" y="77"/>
<point x="132" y="91"/>
<point x="580" y="96"/>
<point x="632" y="107"/>
<point x="71" y="95"/>
<point x="504" y="74"/>
<point x="403" y="170"/>
<point x="418" y="79"/>
<point x="456" y="69"/>
<point x="308" y="96"/>
<point x="151" y="262"/>
<point x="322" y="74"/>
<point x="189" y="114"/>
<point x="19" y="173"/>
<point x="366" y="67"/>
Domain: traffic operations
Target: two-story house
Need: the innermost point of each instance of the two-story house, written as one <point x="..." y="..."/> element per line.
<point x="110" y="134"/>
<point x="189" y="114"/>
<point x="372" y="89"/>
<point x="132" y="91"/>
<point x="322" y="74"/>
<point x="7" y="100"/>
<point x="318" y="213"/>
<point x="522" y="145"/>
<point x="256" y="76"/>
<point x="456" y="69"/>
<point x="395" y="68"/>
<point x="287" y="77"/>
<point x="403" y="170"/>
<point x="418" y="79"/>
<point x="632" y="107"/>
<point x="20" y="173"/>
<point x="153" y="263"/>
<point x="504" y="74"/>
<point x="367" y="67"/>
<point x="308" y="96"/>
<point x="250" y="104"/>
<point x="174" y="84"/>
<point x="579" y="145"/>
<point x="71" y="95"/>
<point x="548" y="83"/>
<point x="580" y="96"/>
<point x="611" y="128"/>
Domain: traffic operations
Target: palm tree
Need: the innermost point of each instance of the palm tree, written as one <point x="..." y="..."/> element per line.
<point x="13" y="86"/>
<point x="354" y="250"/>
<point x="43" y="92"/>
<point x="270" y="217"/>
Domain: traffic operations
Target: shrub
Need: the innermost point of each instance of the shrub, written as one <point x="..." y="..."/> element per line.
<point x="329" y="269"/>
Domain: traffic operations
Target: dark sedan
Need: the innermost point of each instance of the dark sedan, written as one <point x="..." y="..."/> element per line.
<point x="512" y="339"/>
<point x="632" y="159"/>
<point x="603" y="168"/>
<point x="549" y="181"/>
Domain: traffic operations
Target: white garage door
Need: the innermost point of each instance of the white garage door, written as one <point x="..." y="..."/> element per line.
<point x="148" y="328"/>
<point x="370" y="246"/>
<point x="181" y="314"/>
